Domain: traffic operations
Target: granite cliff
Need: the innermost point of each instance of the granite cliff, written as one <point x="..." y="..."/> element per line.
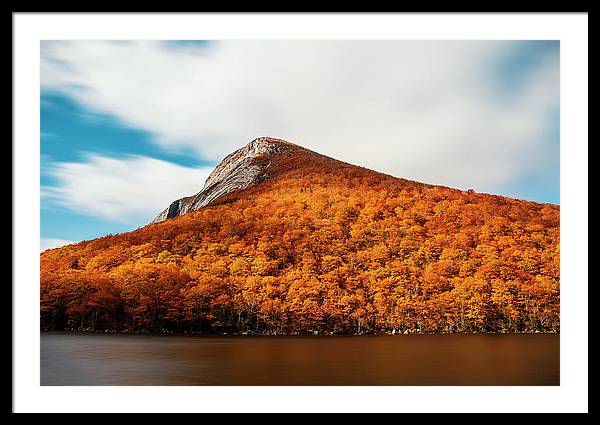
<point x="239" y="170"/>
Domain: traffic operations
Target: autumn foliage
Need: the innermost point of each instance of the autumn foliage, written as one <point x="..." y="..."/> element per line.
<point x="321" y="246"/>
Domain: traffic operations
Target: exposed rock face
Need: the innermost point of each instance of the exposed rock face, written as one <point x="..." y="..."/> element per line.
<point x="239" y="170"/>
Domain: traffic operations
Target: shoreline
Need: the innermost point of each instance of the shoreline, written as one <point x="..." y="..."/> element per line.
<point x="246" y="334"/>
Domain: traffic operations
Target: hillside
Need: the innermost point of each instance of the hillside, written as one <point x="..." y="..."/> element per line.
<point x="285" y="240"/>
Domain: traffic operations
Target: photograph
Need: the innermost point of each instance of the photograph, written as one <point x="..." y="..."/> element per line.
<point x="265" y="213"/>
<point x="409" y="217"/>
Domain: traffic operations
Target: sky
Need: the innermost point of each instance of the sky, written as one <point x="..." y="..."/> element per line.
<point x="129" y="126"/>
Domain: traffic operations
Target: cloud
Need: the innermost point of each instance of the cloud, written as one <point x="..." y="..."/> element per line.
<point x="433" y="111"/>
<point x="49" y="243"/>
<point x="135" y="187"/>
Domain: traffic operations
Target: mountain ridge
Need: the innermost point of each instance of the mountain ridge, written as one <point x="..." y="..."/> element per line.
<point x="247" y="166"/>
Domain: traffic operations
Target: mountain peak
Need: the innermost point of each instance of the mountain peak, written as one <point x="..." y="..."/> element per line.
<point x="239" y="170"/>
<point x="267" y="143"/>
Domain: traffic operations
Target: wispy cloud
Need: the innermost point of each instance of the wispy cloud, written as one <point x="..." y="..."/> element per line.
<point x="49" y="243"/>
<point x="434" y="111"/>
<point x="119" y="189"/>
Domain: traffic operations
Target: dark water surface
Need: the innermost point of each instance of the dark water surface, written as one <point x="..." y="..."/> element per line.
<point x="475" y="359"/>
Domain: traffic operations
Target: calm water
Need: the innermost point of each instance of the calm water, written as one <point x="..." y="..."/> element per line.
<point x="69" y="359"/>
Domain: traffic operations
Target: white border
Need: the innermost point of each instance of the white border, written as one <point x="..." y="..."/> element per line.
<point x="571" y="29"/>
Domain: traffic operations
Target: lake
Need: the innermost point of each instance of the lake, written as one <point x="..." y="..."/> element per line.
<point x="457" y="359"/>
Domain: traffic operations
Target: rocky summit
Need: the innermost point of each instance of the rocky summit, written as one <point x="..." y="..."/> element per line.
<point x="239" y="170"/>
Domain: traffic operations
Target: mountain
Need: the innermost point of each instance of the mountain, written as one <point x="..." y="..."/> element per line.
<point x="285" y="240"/>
